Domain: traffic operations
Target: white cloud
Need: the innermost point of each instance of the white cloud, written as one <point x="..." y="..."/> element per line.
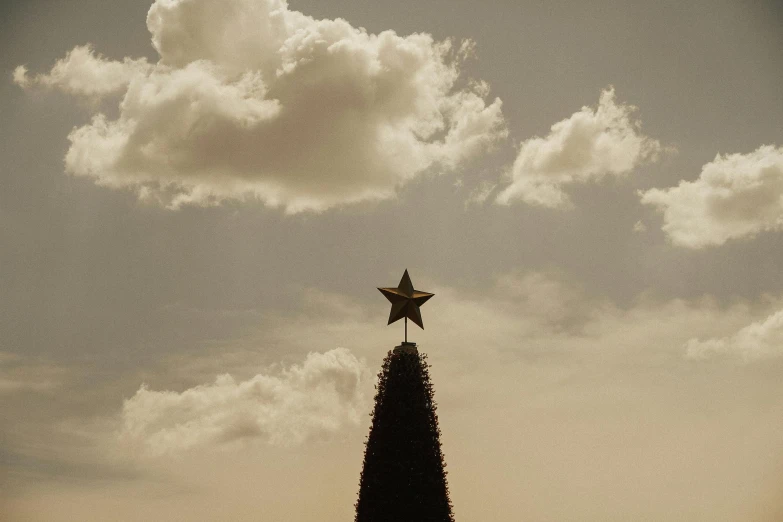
<point x="20" y="76"/>
<point x="736" y="195"/>
<point x="589" y="145"/>
<point x="322" y="396"/>
<point x="253" y="100"/>
<point x="758" y="340"/>
<point x="82" y="72"/>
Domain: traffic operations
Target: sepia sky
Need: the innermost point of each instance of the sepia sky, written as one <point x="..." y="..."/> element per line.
<point x="199" y="197"/>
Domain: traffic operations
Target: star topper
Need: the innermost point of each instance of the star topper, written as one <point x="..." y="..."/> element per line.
<point x="405" y="302"/>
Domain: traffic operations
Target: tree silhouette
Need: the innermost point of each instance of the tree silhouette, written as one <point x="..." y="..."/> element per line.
<point x="403" y="478"/>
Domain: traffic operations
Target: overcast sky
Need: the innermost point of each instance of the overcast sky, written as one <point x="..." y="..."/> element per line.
<point x="199" y="197"/>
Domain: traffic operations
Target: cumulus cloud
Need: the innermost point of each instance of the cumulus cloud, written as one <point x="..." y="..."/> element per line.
<point x="320" y="397"/>
<point x="250" y="99"/>
<point x="83" y="72"/>
<point x="20" y="76"/>
<point x="758" y="340"/>
<point x="736" y="195"/>
<point x="589" y="145"/>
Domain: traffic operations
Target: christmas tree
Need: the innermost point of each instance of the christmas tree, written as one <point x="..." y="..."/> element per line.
<point x="403" y="479"/>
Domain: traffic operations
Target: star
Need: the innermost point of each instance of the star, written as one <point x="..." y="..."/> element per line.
<point x="405" y="301"/>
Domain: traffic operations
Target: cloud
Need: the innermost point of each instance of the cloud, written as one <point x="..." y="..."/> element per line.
<point x="736" y="196"/>
<point x="639" y="227"/>
<point x="578" y="367"/>
<point x="84" y="73"/>
<point x="480" y="193"/>
<point x="533" y="316"/>
<point x="20" y="76"/>
<point x="26" y="374"/>
<point x="758" y="340"/>
<point x="587" y="146"/>
<point x="319" y="397"/>
<point x="252" y="100"/>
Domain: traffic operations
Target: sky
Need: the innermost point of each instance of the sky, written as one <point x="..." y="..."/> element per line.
<point x="198" y="199"/>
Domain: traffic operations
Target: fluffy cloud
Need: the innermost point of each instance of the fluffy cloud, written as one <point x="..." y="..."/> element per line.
<point x="736" y="195"/>
<point x="253" y="100"/>
<point x="82" y="72"/>
<point x="319" y="397"/>
<point x="590" y="144"/>
<point x="758" y="340"/>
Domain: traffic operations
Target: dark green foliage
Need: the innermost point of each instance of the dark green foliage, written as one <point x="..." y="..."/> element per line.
<point x="403" y="479"/>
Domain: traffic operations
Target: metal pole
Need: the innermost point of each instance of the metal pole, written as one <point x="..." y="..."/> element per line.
<point x="406" y="329"/>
